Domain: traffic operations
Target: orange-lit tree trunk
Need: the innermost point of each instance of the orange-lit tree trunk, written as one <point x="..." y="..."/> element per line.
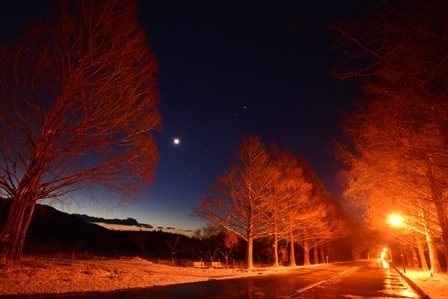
<point x="433" y="258"/>
<point x="12" y="237"/>
<point x="13" y="234"/>
<point x="292" y="254"/>
<point x="306" y="254"/>
<point x="322" y="254"/>
<point x="250" y="241"/>
<point x="442" y="217"/>
<point x="439" y="202"/>
<point x="275" y="245"/>
<point x="250" y="253"/>
<point x="421" y="253"/>
<point x="412" y="257"/>
<point x="315" y="255"/>
<point x="330" y="254"/>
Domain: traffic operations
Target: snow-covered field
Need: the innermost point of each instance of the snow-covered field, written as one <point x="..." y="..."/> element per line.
<point x="57" y="274"/>
<point x="37" y="275"/>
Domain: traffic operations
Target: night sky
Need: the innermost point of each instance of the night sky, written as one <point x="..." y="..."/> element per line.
<point x="228" y="69"/>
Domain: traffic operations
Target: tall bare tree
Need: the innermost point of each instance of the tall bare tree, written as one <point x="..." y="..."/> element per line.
<point x="287" y="185"/>
<point x="79" y="105"/>
<point x="238" y="198"/>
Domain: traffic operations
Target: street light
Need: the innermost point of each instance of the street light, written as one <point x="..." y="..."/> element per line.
<point x="396" y="220"/>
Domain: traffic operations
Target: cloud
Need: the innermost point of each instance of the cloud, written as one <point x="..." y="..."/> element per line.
<point x="126" y="222"/>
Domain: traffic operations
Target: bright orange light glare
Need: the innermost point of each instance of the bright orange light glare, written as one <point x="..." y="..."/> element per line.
<point x="395" y="220"/>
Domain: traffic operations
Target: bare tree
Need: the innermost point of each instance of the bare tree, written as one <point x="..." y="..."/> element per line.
<point x="212" y="242"/>
<point x="79" y="105"/>
<point x="237" y="200"/>
<point x="176" y="245"/>
<point x="140" y="238"/>
<point x="230" y="241"/>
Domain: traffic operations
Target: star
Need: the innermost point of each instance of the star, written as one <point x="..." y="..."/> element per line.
<point x="176" y="141"/>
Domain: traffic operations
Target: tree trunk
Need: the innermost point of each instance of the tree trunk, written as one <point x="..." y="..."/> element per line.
<point x="315" y="255"/>
<point x="330" y="254"/>
<point x="437" y="199"/>
<point x="27" y="220"/>
<point x="275" y="250"/>
<point x="322" y="255"/>
<point x="433" y="259"/>
<point x="441" y="216"/>
<point x="249" y="253"/>
<point x="412" y="257"/>
<point x="306" y="254"/>
<point x="292" y="254"/>
<point x="421" y="253"/>
<point x="13" y="234"/>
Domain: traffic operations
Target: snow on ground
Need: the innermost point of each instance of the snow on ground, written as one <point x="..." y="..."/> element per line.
<point x="435" y="286"/>
<point x="57" y="274"/>
<point x="37" y="275"/>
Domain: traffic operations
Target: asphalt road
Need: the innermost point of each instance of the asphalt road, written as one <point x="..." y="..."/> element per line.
<point x="357" y="279"/>
<point x="363" y="280"/>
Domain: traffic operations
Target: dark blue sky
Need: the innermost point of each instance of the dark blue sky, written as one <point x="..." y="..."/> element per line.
<point x="230" y="68"/>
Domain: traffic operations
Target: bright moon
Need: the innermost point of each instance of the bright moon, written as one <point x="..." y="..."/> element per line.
<point x="176" y="141"/>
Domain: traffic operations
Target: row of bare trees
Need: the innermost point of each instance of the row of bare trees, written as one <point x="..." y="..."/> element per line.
<point x="271" y="193"/>
<point x="398" y="149"/>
